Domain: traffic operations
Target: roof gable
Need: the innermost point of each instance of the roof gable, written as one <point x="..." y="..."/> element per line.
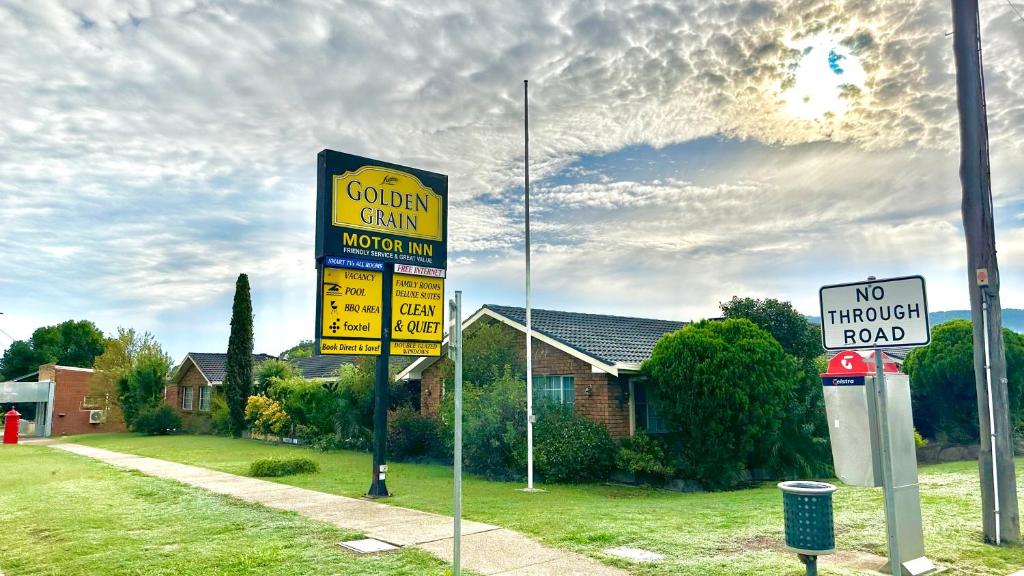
<point x="211" y="364"/>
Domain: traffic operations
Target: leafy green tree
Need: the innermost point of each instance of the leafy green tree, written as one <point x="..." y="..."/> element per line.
<point x="141" y="387"/>
<point x="943" y="387"/>
<point x="789" y="327"/>
<point x="270" y="370"/>
<point x="238" y="371"/>
<point x="491" y="350"/>
<point x="304" y="349"/>
<point x="70" y="343"/>
<point x="805" y="449"/>
<point x="119" y="356"/>
<point x="726" y="386"/>
<point x="19" y="359"/>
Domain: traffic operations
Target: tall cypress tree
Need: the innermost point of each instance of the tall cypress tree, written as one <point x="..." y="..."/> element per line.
<point x="238" y="369"/>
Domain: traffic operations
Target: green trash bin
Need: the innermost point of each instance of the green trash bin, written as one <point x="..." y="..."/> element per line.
<point x="810" y="532"/>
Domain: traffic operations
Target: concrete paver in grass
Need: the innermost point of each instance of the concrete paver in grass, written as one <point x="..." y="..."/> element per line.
<point x="486" y="549"/>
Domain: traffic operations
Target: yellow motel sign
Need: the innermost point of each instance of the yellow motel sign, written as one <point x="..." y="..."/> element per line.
<point x="417" y="315"/>
<point x="351" y="310"/>
<point x="379" y="199"/>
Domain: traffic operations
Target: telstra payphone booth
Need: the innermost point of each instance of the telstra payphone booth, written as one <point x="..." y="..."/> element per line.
<point x="867" y="403"/>
<point x="852" y="419"/>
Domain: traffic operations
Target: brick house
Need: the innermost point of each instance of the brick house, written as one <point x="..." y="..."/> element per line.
<point x="191" y="387"/>
<point x="193" y="382"/>
<point x="589" y="361"/>
<point x="60" y="402"/>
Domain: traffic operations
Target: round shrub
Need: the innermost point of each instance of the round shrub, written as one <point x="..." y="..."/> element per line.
<point x="274" y="467"/>
<point x="157" y="419"/>
<point x="265" y="415"/>
<point x="725" y="386"/>
<point x="412" y="435"/>
<point x="568" y="447"/>
<point x="645" y="457"/>
<point x="942" y="382"/>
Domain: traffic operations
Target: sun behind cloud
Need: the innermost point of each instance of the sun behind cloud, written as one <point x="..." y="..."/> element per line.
<point x="825" y="77"/>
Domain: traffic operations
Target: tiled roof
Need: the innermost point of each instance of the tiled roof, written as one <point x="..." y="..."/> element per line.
<point x="321" y="366"/>
<point x="211" y="364"/>
<point x="326" y="366"/>
<point x="610" y="339"/>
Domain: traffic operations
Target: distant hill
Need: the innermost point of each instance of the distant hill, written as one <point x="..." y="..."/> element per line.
<point x="1013" y="318"/>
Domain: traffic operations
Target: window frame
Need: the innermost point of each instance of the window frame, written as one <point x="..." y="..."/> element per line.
<point x="187" y="394"/>
<point x="209" y="392"/>
<point x="544" y="390"/>
<point x="644" y="420"/>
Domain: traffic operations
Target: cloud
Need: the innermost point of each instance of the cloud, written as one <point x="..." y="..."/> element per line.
<point x="151" y="151"/>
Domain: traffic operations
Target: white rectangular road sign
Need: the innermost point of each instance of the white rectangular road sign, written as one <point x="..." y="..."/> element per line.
<point x="875" y="313"/>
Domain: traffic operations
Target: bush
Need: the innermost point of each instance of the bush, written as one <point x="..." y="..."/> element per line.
<point x="197" y="424"/>
<point x="413" y="436"/>
<point x="220" y="418"/>
<point x="645" y="457"/>
<point x="919" y="441"/>
<point x="803" y="449"/>
<point x="310" y="406"/>
<point x="725" y="385"/>
<point x="265" y="415"/>
<point x="942" y="382"/>
<point x="157" y="419"/>
<point x="494" y="427"/>
<point x="274" y="467"/>
<point x="266" y="373"/>
<point x="568" y="447"/>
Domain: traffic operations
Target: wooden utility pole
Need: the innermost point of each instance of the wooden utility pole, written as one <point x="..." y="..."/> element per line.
<point x="995" y="460"/>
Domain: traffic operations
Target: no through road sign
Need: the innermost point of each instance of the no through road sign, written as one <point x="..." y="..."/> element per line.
<point x="889" y="312"/>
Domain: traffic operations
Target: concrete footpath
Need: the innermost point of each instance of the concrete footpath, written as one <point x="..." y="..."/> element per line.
<point x="486" y="549"/>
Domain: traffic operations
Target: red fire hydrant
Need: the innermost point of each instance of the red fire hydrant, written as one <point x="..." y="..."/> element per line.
<point x="11" y="420"/>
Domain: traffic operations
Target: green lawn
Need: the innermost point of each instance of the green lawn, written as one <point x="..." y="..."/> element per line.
<point x="67" y="515"/>
<point x="732" y="533"/>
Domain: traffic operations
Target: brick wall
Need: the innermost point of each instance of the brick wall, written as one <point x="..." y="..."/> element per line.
<point x="191" y="378"/>
<point x="71" y="386"/>
<point x="599" y="397"/>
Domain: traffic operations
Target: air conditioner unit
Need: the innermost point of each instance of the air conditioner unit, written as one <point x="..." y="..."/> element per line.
<point x="97" y="416"/>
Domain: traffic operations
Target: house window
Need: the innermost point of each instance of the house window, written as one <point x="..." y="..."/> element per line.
<point x="186" y="398"/>
<point x="93" y="403"/>
<point x="647" y="418"/>
<point x="557" y="389"/>
<point x="204" y="398"/>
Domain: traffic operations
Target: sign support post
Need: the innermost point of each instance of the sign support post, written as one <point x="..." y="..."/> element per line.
<point x="381" y="399"/>
<point x="885" y="445"/>
<point x="455" y="345"/>
<point x="872" y="315"/>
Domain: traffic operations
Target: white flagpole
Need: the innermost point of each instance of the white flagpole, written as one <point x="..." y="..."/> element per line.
<point x="529" y="325"/>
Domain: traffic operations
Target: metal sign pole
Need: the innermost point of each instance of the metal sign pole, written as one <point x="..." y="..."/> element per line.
<point x="888" y="484"/>
<point x="529" y="324"/>
<point x="378" y="486"/>
<point x="456" y="345"/>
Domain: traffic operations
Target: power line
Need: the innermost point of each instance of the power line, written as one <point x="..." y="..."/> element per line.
<point x="1019" y="15"/>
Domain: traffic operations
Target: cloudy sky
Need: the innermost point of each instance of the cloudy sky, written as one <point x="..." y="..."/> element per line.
<point x="683" y="152"/>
